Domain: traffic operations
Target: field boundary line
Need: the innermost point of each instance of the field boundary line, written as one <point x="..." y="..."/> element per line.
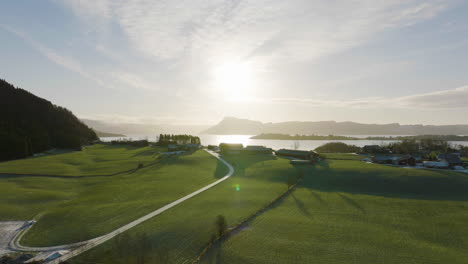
<point x="244" y="222"/>
<point x="5" y="175"/>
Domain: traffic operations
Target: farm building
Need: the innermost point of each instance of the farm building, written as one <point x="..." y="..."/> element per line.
<point x="187" y="147"/>
<point x="406" y="160"/>
<point x="231" y="148"/>
<point x="373" y="149"/>
<point x="173" y="147"/>
<point x="452" y="159"/>
<point x="191" y="147"/>
<point x="436" y="164"/>
<point x="299" y="154"/>
<point x="252" y="149"/>
<point x="300" y="162"/>
<point x="213" y="147"/>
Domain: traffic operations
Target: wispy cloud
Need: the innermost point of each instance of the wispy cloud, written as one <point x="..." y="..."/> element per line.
<point x="106" y="79"/>
<point x="61" y="60"/>
<point x="295" y="29"/>
<point x="447" y="99"/>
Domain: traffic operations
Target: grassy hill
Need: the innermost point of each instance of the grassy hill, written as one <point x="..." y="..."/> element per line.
<point x="345" y="211"/>
<point x="71" y="209"/>
<point x="184" y="230"/>
<point x="353" y="212"/>
<point x="92" y="160"/>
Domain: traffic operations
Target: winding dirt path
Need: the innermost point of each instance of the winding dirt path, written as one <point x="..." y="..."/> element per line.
<point x="80" y="247"/>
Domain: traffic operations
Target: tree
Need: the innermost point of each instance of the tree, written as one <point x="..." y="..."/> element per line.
<point x="296" y="145"/>
<point x="290" y="181"/>
<point x="143" y="248"/>
<point x="221" y="225"/>
<point x="29" y="124"/>
<point x="338" y="147"/>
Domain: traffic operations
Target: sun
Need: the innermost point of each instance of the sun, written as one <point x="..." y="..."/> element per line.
<point x="234" y="79"/>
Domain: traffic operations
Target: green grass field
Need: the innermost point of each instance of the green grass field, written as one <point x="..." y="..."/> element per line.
<point x="92" y="160"/>
<point x="72" y="209"/>
<point x="184" y="230"/>
<point x="343" y="156"/>
<point x="353" y="212"/>
<point x="344" y="211"/>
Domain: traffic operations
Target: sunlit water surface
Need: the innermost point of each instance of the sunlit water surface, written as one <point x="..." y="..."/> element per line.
<point x="275" y="144"/>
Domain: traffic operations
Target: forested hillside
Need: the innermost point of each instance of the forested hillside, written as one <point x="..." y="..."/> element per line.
<point x="29" y="124"/>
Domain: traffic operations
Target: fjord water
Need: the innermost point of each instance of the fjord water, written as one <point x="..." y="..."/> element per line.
<point x="276" y="144"/>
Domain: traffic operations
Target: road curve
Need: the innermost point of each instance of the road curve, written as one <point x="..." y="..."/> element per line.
<point x="80" y="247"/>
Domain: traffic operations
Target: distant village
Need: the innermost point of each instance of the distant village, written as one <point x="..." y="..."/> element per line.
<point x="423" y="153"/>
<point x="429" y="160"/>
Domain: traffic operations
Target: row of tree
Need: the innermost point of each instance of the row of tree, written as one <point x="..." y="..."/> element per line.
<point x="338" y="147"/>
<point x="423" y="146"/>
<point x="166" y="139"/>
<point x="427" y="147"/>
<point x="29" y="124"/>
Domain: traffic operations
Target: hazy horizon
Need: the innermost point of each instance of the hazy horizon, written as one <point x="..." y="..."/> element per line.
<point x="143" y="122"/>
<point x="196" y="62"/>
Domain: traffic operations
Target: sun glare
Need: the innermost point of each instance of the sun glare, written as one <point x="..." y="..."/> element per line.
<point x="234" y="79"/>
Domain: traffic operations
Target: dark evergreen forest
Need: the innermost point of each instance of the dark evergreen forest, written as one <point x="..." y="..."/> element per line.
<point x="30" y="124"/>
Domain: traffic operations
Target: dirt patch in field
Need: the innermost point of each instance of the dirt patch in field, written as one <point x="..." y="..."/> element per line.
<point x="8" y="230"/>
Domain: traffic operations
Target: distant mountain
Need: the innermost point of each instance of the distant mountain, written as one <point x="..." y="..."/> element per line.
<point x="231" y="125"/>
<point x="143" y="129"/>
<point x="30" y="124"/>
<point x="107" y="134"/>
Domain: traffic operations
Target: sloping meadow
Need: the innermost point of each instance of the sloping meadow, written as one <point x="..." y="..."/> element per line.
<point x="354" y="212"/>
<point x="71" y="209"/>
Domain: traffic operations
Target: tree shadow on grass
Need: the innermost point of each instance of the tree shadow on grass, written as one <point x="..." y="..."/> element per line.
<point x="215" y="254"/>
<point x="241" y="162"/>
<point x="317" y="197"/>
<point x="352" y="203"/>
<point x="221" y="170"/>
<point x="301" y="206"/>
<point x="387" y="182"/>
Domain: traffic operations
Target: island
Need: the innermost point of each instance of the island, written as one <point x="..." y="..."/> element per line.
<point x="302" y="137"/>
<point x="274" y="136"/>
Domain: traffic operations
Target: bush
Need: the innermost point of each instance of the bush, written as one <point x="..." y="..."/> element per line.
<point x="136" y="143"/>
<point x="337" y="147"/>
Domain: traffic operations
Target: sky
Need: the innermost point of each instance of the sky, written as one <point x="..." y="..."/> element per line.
<point x="197" y="61"/>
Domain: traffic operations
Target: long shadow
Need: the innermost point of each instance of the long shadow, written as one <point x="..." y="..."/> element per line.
<point x="215" y="254"/>
<point x="352" y="203"/>
<point x="386" y="182"/>
<point x="129" y="171"/>
<point x="241" y="162"/>
<point x="221" y="170"/>
<point x="301" y="206"/>
<point x="317" y="197"/>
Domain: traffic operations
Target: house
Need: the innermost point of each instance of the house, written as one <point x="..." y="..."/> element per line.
<point x="385" y="159"/>
<point x="231" y="148"/>
<point x="173" y="147"/>
<point x="436" y="164"/>
<point x="253" y="149"/>
<point x="191" y="147"/>
<point x="373" y="149"/>
<point x="299" y="154"/>
<point x="213" y="147"/>
<point x="406" y="160"/>
<point x="300" y="162"/>
<point x="453" y="159"/>
<point x="48" y="256"/>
